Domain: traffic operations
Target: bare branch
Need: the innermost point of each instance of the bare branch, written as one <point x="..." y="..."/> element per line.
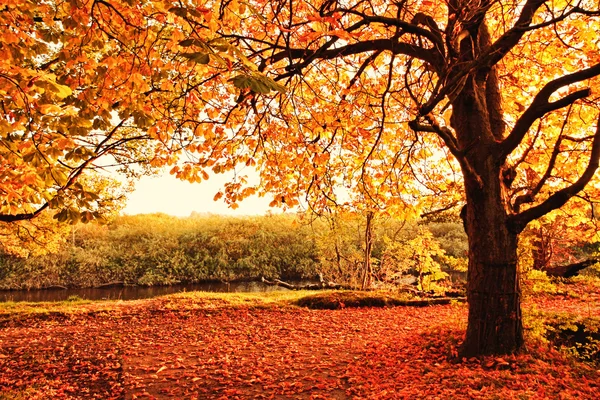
<point x="362" y="68"/>
<point x="528" y="149"/>
<point x="439" y="210"/>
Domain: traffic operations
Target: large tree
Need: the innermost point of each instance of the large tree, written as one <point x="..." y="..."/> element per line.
<point x="392" y="102"/>
<point x="385" y="99"/>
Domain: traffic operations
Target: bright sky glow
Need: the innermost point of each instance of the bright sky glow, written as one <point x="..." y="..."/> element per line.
<point x="166" y="194"/>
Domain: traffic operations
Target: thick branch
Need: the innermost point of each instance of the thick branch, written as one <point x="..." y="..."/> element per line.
<point x="399" y="23"/>
<point x="570" y="270"/>
<point x="511" y="38"/>
<point x="23" y="216"/>
<point x="541" y="106"/>
<point x="391" y="45"/>
<point x="558" y="199"/>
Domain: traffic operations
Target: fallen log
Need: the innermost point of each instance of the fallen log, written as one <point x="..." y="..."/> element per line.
<point x="310" y="286"/>
<point x="570" y="270"/>
<point x="110" y="284"/>
<point x="430" y="302"/>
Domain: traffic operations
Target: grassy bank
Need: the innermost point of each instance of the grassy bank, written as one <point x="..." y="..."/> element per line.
<point x="325" y="299"/>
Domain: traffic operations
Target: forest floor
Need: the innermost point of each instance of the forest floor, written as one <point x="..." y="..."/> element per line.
<point x="203" y="347"/>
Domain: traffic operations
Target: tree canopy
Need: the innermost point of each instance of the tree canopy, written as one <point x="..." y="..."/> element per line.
<point x="366" y="115"/>
<point x="373" y="87"/>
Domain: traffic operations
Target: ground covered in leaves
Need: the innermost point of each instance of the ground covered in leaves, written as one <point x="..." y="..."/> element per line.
<point x="196" y="347"/>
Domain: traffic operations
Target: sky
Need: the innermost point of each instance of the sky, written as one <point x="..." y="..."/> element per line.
<point x="166" y="194"/>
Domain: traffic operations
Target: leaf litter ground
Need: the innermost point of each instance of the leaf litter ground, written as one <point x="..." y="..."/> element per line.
<point x="192" y="348"/>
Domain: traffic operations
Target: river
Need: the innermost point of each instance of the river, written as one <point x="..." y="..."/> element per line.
<point x="132" y="292"/>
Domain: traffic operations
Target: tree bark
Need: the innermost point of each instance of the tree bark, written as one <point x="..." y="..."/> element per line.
<point x="493" y="290"/>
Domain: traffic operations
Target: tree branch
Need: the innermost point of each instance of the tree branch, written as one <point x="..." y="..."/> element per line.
<point x="541" y="106"/>
<point x="443" y="132"/>
<point x="363" y="67"/>
<point x="530" y="195"/>
<point x="518" y="222"/>
<point x="391" y="45"/>
<point x="75" y="173"/>
<point x="511" y="38"/>
<point x="399" y="23"/>
<point x="23" y="216"/>
<point x="439" y="210"/>
<point x="523" y="157"/>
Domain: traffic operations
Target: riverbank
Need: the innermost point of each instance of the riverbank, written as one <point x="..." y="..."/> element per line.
<point x="119" y="291"/>
<point x="260" y="345"/>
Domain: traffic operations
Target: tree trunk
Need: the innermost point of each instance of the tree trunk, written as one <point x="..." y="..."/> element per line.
<point x="493" y="288"/>
<point x="368" y="271"/>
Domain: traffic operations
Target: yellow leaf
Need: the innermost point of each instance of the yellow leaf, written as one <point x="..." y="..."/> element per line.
<point x="161" y="369"/>
<point x="49" y="109"/>
<point x="61" y="91"/>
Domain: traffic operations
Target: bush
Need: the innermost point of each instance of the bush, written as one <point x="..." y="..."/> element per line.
<point x="536" y="281"/>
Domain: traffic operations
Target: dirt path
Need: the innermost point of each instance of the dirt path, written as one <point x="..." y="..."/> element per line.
<point x="152" y="350"/>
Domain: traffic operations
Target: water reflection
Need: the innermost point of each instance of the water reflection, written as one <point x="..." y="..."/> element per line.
<point x="131" y="292"/>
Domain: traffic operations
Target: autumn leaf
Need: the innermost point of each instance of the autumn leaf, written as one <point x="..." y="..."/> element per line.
<point x="197" y="57"/>
<point x="164" y="367"/>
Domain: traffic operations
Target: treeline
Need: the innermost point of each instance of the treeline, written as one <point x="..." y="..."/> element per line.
<point x="158" y="249"/>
